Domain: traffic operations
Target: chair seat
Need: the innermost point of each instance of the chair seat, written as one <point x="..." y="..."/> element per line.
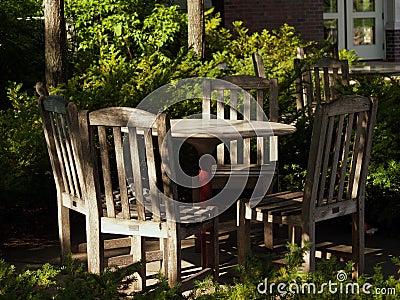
<point x="283" y="207"/>
<point x="237" y="173"/>
<point x="187" y="214"/>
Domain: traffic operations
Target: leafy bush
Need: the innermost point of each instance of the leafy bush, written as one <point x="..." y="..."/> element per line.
<point x="67" y="282"/>
<point x="24" y="162"/>
<point x="21" y="44"/>
<point x="258" y="279"/>
<point x="260" y="282"/>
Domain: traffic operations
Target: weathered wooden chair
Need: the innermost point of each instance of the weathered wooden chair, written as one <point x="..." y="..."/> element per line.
<point x="121" y="154"/>
<point x="335" y="182"/>
<point x="231" y="99"/>
<point x="61" y="130"/>
<point x="320" y="81"/>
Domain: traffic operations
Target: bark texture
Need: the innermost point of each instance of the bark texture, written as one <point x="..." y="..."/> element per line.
<point x="55" y="42"/>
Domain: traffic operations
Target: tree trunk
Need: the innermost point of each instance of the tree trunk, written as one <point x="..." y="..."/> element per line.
<point x="196" y="26"/>
<point x="55" y="42"/>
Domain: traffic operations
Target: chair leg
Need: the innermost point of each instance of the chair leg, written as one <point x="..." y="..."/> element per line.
<point x="308" y="235"/>
<point x="172" y="254"/>
<point x="138" y="254"/>
<point x="95" y="245"/>
<point x="294" y="233"/>
<point x="268" y="234"/>
<point x="358" y="243"/>
<point x="215" y="248"/>
<point x="64" y="231"/>
<point x="243" y="232"/>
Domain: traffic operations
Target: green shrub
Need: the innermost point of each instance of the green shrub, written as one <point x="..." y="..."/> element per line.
<point x="72" y="282"/>
<point x="21" y="44"/>
<point x="24" y="162"/>
<point x="28" y="284"/>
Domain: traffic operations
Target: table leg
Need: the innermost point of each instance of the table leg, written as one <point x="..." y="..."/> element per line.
<point x="205" y="194"/>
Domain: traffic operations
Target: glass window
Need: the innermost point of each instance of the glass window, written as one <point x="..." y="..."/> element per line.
<point x="364" y="31"/>
<point x="330" y="6"/>
<point x="330" y="30"/>
<point x="363" y="5"/>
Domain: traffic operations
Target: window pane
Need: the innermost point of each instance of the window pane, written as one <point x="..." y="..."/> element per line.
<point x="363" y="5"/>
<point x="364" y="31"/>
<point x="330" y="30"/>
<point x="330" y="6"/>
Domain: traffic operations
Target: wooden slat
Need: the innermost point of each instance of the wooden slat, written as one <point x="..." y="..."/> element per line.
<point x="326" y="156"/>
<point x="361" y="138"/>
<point x="73" y="124"/>
<point x="122" y="116"/>
<point x="335" y="159"/>
<point x="233" y="145"/>
<point x="317" y="85"/>
<point x="62" y="154"/>
<point x="258" y="65"/>
<point x="278" y="206"/>
<point x="74" y="202"/>
<point x="345" y="155"/>
<point x="127" y="259"/>
<point x="54" y="138"/>
<point x="121" y="172"/>
<point x="273" y="100"/>
<point x="246" y="82"/>
<point x="206" y="101"/>
<point x="220" y="115"/>
<point x="349" y="104"/>
<point x="134" y="227"/>
<point x="109" y="244"/>
<point x="327" y="86"/>
<point x="314" y="165"/>
<point x="56" y="104"/>
<point x="355" y="155"/>
<point x="137" y="172"/>
<point x="151" y="171"/>
<point x="105" y="165"/>
<point x="334" y="210"/>
<point x="66" y="131"/>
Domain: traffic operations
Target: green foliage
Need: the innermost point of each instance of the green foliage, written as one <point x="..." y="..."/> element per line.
<point x="74" y="282"/>
<point x="21" y="44"/>
<point x="351" y="56"/>
<point x="258" y="279"/>
<point x="28" y="284"/>
<point x="24" y="160"/>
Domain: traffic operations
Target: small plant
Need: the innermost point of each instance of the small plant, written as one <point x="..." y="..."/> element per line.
<point x="28" y="284"/>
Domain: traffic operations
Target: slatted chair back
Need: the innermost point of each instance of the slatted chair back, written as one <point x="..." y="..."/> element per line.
<point x="124" y="140"/>
<point x="258" y="63"/>
<point x="61" y="130"/>
<point x="320" y="81"/>
<point x="339" y="157"/>
<point x="231" y="99"/>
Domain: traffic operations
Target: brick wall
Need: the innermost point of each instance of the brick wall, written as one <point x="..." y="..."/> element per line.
<point x="393" y="45"/>
<point x="305" y="16"/>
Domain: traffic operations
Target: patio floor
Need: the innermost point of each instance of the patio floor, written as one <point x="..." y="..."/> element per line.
<point x="331" y="240"/>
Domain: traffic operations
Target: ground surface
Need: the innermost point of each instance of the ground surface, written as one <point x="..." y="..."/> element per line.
<point x="30" y="238"/>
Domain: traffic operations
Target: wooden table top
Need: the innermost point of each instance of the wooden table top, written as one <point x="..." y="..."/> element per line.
<point x="211" y="128"/>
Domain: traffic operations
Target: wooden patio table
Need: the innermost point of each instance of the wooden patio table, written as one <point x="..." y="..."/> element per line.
<point x="205" y="134"/>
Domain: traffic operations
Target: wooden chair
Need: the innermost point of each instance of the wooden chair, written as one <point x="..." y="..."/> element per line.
<point x="335" y="182"/>
<point x="61" y="130"/>
<point x="231" y="99"/>
<point x="259" y="68"/>
<point x="121" y="154"/>
<point x="320" y="81"/>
